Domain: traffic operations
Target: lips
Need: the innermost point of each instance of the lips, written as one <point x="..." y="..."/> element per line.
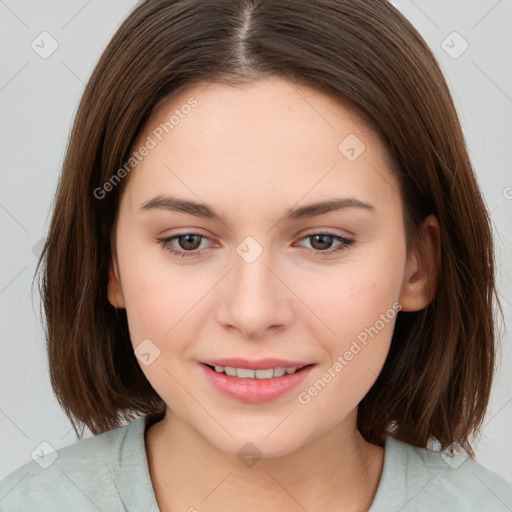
<point x="261" y="364"/>
<point x="252" y="390"/>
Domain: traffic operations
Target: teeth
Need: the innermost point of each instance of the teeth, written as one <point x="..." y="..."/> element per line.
<point x="244" y="373"/>
<point x="230" y="371"/>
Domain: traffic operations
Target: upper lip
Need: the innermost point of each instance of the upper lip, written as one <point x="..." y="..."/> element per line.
<point x="260" y="364"/>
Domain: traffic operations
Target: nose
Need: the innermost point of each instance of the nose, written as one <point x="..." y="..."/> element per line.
<point x="254" y="297"/>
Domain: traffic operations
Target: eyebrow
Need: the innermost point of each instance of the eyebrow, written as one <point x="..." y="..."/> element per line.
<point x="203" y="210"/>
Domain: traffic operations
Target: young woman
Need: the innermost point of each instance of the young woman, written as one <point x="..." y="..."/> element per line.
<point x="270" y="256"/>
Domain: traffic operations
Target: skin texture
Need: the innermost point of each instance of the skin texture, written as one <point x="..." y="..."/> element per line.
<point x="253" y="152"/>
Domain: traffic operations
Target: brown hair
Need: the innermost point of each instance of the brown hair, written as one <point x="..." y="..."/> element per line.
<point x="437" y="378"/>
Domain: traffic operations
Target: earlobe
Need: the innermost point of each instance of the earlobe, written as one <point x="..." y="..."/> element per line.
<point x="423" y="267"/>
<point x="114" y="290"/>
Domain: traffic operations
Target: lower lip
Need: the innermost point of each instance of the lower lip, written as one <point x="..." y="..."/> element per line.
<point x="255" y="390"/>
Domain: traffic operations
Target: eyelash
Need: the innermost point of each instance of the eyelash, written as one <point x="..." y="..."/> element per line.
<point x="345" y="243"/>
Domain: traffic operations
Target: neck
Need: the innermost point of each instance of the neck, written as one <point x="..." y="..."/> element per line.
<point x="337" y="471"/>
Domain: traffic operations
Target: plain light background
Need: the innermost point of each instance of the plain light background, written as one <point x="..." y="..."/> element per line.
<point x="39" y="94"/>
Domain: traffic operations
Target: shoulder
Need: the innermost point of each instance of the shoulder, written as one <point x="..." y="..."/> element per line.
<point x="430" y="480"/>
<point x="80" y="476"/>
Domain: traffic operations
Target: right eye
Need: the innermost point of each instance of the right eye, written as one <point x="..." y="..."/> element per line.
<point x="188" y="241"/>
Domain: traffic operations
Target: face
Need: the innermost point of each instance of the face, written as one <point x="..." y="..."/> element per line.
<point x="244" y="277"/>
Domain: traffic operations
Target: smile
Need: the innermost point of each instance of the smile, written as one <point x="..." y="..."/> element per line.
<point x="245" y="373"/>
<point x="254" y="386"/>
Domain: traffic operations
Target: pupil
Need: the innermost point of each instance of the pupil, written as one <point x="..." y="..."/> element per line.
<point x="187" y="241"/>
<point x="326" y="244"/>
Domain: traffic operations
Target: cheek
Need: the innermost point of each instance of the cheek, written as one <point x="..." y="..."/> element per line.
<point x="161" y="306"/>
<point x="352" y="295"/>
<point x="357" y="304"/>
<point x="155" y="295"/>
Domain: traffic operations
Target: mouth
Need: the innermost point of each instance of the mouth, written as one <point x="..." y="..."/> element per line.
<point x="255" y="385"/>
<point x="248" y="373"/>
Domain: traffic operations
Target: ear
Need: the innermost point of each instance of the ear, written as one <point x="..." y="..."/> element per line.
<point x="422" y="268"/>
<point x="114" y="290"/>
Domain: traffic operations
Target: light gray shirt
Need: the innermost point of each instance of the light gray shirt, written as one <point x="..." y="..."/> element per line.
<point x="109" y="473"/>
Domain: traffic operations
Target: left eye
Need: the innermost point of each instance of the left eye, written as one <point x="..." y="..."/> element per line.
<point x="190" y="242"/>
<point x="327" y="239"/>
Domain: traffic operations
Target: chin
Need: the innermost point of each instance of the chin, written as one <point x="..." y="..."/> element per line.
<point x="253" y="446"/>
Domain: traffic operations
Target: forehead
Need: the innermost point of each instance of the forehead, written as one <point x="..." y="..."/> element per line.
<point x="268" y="141"/>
